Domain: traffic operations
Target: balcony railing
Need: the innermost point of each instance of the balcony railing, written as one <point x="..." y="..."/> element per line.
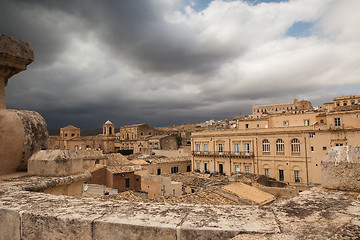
<point x="223" y="154"/>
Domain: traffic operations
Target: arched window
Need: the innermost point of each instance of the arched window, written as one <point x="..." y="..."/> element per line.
<point x="295" y="145"/>
<point x="279" y="145"/>
<point x="266" y="145"/>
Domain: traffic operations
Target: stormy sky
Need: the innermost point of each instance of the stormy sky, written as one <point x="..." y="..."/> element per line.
<point x="166" y="62"/>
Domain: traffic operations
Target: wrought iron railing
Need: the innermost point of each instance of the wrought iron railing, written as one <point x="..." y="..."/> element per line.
<point x="223" y="153"/>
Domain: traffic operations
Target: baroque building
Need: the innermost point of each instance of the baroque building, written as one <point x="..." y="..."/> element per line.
<point x="133" y="139"/>
<point x="288" y="147"/>
<point x="70" y="138"/>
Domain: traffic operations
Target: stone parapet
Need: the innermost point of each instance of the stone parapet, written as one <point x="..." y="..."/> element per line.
<point x="314" y="214"/>
<point x="45" y="216"/>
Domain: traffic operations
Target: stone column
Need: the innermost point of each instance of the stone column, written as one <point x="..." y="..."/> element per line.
<point x="22" y="132"/>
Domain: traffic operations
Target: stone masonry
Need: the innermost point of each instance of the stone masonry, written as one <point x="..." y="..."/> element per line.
<point x="340" y="168"/>
<point x="314" y="214"/>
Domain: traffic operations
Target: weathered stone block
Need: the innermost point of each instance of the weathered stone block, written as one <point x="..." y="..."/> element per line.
<point x="46" y="227"/>
<point x="340" y="168"/>
<point x="9" y="224"/>
<point x="55" y="163"/>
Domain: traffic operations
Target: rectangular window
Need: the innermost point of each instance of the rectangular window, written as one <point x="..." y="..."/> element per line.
<point x="337" y="122"/>
<point x="127" y="182"/>
<point x="339" y="144"/>
<point x="297" y="176"/>
<point x="257" y="125"/>
<point x="267" y="172"/>
<point x="188" y="168"/>
<point x="247" y="169"/>
<point x="220" y="148"/>
<point x="198" y="165"/>
<point x="324" y="148"/>
<point x="321" y="121"/>
<point x="237" y="149"/>
<point x="246" y="125"/>
<point x="266" y="146"/>
<point x="197" y="148"/>
<point x="205" y="148"/>
<point x="247" y="149"/>
<point x="281" y="175"/>
<point x="174" y="169"/>
<point x="221" y="168"/>
<point x="237" y="169"/>
<point x="206" y="168"/>
<point x="286" y="123"/>
<point x="279" y="146"/>
<point x="311" y="135"/>
<point x="312" y="148"/>
<point x="307" y="122"/>
<point x="158" y="171"/>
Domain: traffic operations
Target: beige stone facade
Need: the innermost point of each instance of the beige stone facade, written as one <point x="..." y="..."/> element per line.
<point x="70" y="139"/>
<point x="294" y="107"/>
<point x="159" y="186"/>
<point x="163" y="142"/>
<point x="341" y="103"/>
<point x="290" y="148"/>
<point x="142" y="138"/>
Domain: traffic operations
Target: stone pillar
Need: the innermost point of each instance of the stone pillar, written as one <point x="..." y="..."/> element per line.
<point x="22" y="132"/>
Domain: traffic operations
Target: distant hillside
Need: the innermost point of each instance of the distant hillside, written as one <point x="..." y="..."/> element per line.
<point x="54" y="132"/>
<point x="87" y="132"/>
<point x="91" y="132"/>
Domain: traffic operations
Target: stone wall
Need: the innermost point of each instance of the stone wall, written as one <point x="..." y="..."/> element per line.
<point x="340" y="168"/>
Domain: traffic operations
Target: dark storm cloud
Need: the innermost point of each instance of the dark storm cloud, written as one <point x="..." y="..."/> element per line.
<point x="162" y="62"/>
<point x="136" y="30"/>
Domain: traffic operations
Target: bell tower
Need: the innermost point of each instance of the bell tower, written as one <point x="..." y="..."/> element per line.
<point x="108" y="129"/>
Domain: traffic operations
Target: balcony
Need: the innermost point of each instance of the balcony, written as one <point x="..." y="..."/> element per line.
<point x="223" y="154"/>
